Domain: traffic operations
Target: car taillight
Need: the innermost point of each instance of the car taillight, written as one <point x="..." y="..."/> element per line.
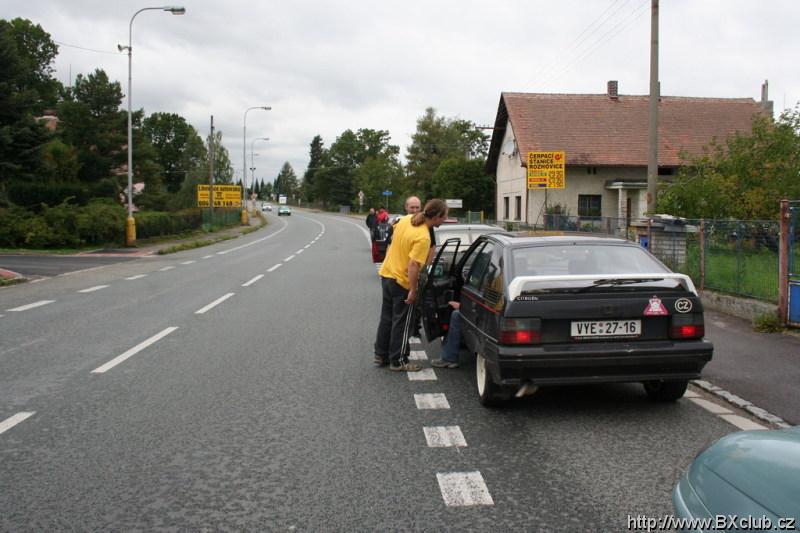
<point x="520" y="331"/>
<point x="689" y="326"/>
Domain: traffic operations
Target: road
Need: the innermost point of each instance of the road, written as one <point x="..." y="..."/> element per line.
<point x="232" y="388"/>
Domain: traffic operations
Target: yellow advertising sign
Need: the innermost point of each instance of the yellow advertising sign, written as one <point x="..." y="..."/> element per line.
<point x="224" y="195"/>
<point x="547" y="170"/>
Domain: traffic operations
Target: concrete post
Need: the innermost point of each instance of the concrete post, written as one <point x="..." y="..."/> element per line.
<point x="783" y="265"/>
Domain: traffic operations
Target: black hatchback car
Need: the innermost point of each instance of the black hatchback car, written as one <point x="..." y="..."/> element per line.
<point x="568" y="310"/>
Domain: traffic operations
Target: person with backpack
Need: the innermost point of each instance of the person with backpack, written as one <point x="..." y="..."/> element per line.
<point x="381" y="236"/>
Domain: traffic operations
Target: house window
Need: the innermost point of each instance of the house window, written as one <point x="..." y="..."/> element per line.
<point x="589" y="205"/>
<point x="519" y="208"/>
<point x="505" y="208"/>
<point x="664" y="171"/>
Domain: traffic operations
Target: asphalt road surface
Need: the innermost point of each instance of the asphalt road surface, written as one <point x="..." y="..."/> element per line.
<point x="232" y="388"/>
<point x="30" y="265"/>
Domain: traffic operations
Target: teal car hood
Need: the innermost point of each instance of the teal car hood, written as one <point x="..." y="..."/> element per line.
<point x="760" y="466"/>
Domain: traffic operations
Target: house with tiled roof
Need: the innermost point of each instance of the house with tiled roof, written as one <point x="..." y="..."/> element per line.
<point x="605" y="140"/>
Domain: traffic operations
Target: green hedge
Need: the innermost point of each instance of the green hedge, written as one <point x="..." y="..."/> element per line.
<point x="156" y="223"/>
<point x="65" y="225"/>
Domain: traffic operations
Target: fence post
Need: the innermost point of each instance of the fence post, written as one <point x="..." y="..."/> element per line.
<point x="702" y="254"/>
<point x="650" y="234"/>
<point x="783" y="265"/>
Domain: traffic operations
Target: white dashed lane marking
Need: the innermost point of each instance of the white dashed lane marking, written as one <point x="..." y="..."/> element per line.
<point x="207" y="256"/>
<point x="435" y="400"/>
<point x="426" y="374"/>
<point x="12" y="421"/>
<point x="138" y="276"/>
<point x="288" y="259"/>
<point x="306" y="246"/>
<point x="213" y="304"/>
<point x="275" y="267"/>
<point x="445" y="437"/>
<point x="464" y="489"/>
<point x="188" y="262"/>
<point x="95" y="288"/>
<point x="165" y="268"/>
<point x="253" y="280"/>
<point x="133" y="351"/>
<point x="418" y="355"/>
<point x="30" y="306"/>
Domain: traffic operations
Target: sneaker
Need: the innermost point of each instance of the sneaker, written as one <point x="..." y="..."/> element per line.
<point x="404" y="366"/>
<point x="441" y="363"/>
<point x="380" y="361"/>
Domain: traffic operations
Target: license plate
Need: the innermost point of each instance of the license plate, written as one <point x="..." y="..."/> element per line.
<point x="606" y="328"/>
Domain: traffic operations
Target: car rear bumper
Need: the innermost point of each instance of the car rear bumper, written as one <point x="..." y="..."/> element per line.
<point x="602" y="363"/>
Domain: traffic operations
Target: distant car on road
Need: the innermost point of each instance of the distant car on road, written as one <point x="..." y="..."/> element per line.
<point x="266" y="207"/>
<point x="751" y="475"/>
<point x="284" y="210"/>
<point x="568" y="310"/>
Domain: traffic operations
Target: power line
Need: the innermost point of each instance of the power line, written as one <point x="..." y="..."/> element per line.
<point x="616" y="30"/>
<point x="87" y="49"/>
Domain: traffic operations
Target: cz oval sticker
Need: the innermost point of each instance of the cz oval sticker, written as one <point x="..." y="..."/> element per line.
<point x="683" y="305"/>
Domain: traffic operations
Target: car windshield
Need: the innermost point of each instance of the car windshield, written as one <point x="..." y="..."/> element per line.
<point x="602" y="260"/>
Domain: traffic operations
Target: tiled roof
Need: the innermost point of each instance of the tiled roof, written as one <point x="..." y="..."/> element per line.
<point x="594" y="129"/>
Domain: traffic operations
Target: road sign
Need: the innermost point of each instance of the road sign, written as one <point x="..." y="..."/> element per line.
<point x="453" y="203"/>
<point x="387" y="193"/>
<point x="224" y="196"/>
<point x="546" y="170"/>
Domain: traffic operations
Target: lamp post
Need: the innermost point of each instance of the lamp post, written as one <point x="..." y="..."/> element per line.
<point x="130" y="225"/>
<point x="245" y="219"/>
<point x="253" y="165"/>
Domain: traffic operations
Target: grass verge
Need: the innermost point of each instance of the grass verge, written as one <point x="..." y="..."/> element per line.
<point x="5" y="282"/>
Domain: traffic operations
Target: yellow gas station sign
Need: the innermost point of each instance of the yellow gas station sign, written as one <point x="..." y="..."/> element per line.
<point x="547" y="170"/>
<point x="224" y="195"/>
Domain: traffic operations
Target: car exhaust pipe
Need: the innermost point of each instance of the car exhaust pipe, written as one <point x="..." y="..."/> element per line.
<point x="527" y="389"/>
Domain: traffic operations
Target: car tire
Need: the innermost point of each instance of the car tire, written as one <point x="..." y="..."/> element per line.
<point x="490" y="394"/>
<point x="665" y="391"/>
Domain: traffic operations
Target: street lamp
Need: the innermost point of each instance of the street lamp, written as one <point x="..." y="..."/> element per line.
<point x="253" y="165"/>
<point x="245" y="220"/>
<point x="130" y="225"/>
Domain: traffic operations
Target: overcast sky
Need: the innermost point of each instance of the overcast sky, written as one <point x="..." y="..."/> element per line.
<point x="327" y="66"/>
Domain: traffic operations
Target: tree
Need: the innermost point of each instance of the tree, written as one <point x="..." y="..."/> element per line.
<point x="438" y="139"/>
<point x="36" y="51"/>
<point x="90" y="120"/>
<point x="286" y="182"/>
<point x="178" y="147"/>
<point x="745" y="178"/>
<point x="223" y="170"/>
<point x="465" y="179"/>
<point x="22" y="96"/>
<point x="316" y="158"/>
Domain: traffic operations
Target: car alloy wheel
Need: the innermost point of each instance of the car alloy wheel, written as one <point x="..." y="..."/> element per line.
<point x="489" y="393"/>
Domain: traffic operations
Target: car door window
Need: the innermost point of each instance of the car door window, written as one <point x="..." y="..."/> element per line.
<point x="479" y="267"/>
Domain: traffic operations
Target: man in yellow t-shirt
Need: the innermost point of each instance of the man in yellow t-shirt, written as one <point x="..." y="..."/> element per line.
<point x="399" y="276"/>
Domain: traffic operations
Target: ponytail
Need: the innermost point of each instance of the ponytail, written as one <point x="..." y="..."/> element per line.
<point x="433" y="208"/>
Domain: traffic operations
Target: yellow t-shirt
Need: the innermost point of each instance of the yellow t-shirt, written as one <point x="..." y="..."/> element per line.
<point x="408" y="242"/>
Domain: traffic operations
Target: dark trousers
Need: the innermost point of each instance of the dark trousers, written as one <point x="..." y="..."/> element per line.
<point x="394" y="327"/>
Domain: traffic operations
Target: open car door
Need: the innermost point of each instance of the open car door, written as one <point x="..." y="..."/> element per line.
<point x="439" y="286"/>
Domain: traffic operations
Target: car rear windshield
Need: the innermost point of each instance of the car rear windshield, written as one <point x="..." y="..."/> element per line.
<point x="603" y="260"/>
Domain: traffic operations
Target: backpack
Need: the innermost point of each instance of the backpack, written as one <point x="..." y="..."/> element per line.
<point x="382" y="232"/>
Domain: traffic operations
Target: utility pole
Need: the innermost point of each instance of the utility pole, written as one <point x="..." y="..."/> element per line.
<point x="652" y="137"/>
<point x="211" y="170"/>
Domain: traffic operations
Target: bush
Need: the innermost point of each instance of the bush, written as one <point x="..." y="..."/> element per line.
<point x="13" y="222"/>
<point x="33" y="195"/>
<point x="102" y="221"/>
<point x="768" y="323"/>
<point x="155" y="224"/>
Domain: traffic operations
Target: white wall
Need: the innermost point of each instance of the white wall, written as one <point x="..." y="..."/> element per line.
<point x="512" y="178"/>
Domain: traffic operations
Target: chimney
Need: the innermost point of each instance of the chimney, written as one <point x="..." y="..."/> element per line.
<point x="766" y="104"/>
<point x="612" y="90"/>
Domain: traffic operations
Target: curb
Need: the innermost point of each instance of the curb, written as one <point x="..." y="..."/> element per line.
<point x="741" y="403"/>
<point x="10" y="274"/>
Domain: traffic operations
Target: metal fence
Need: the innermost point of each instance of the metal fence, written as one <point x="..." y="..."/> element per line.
<point x="738" y="257"/>
<point x="222" y="217"/>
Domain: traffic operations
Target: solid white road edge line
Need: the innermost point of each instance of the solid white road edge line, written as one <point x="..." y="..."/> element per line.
<point x="214" y="303"/>
<point x="12" y="421"/>
<point x="285" y="225"/>
<point x="95" y="288"/>
<point x="30" y="306"/>
<point x="253" y="280"/>
<point x="275" y="267"/>
<point x="463" y="489"/>
<point x="133" y="351"/>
